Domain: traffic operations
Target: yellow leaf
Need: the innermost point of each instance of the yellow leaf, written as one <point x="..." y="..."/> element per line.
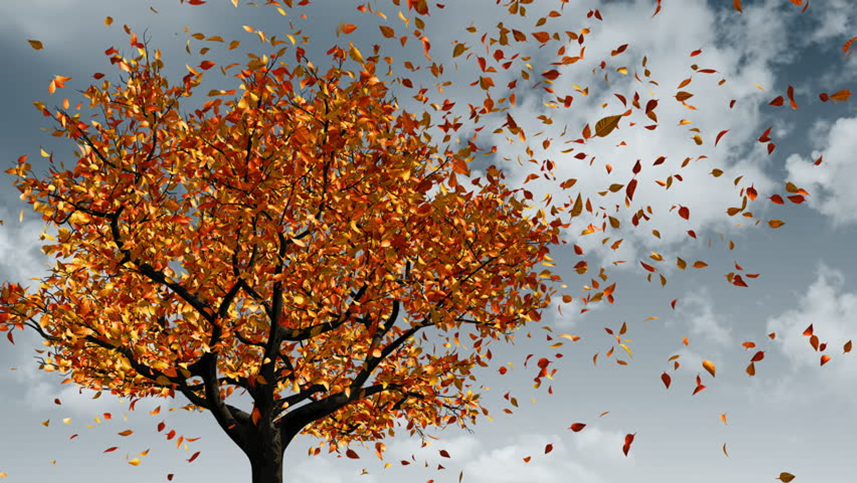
<point x="135" y="462"/>
<point x="709" y="366"/>
<point x="66" y="420"/>
<point x="36" y="44"/>
<point x="354" y="53"/>
<point x="606" y="125"/>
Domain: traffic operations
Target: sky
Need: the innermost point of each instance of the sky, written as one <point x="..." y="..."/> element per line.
<point x="794" y="416"/>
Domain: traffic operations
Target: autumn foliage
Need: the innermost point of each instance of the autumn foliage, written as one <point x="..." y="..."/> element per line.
<point x="300" y="237"/>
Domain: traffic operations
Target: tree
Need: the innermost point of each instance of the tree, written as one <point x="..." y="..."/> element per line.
<point x="283" y="242"/>
<point x="295" y="243"/>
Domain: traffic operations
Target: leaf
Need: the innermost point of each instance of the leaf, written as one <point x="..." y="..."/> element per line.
<point x="606" y="125"/>
<point x="777" y="102"/>
<point x="785" y="477"/>
<point x="577" y="427"/>
<point x="111" y="449"/>
<point x="348" y="28"/>
<point x="548" y="448"/>
<point x="842" y="95"/>
<point x="127" y="432"/>
<point x="134" y="462"/>
<point x="791" y="93"/>
<point x="206" y="64"/>
<point x="847" y="347"/>
<point x="352" y="454"/>
<point x="776" y="223"/>
<point x="684" y="212"/>
<point x="108" y="20"/>
<point x="195" y="455"/>
<point x="723" y="418"/>
<point x="824" y="359"/>
<point x="629" y="438"/>
<point x="36" y="44"/>
<point x="724" y="450"/>
<point x="720" y="135"/>
<point x="666" y="379"/>
<point x="709" y="366"/>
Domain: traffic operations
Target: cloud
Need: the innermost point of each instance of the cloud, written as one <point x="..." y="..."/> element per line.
<point x="697" y="309"/>
<point x="830" y="184"/>
<point x="831" y="312"/>
<point x="506" y="465"/>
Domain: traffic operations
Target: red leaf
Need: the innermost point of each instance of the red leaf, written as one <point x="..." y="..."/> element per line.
<point x="791" y="93"/>
<point x="808" y="331"/>
<point x="206" y="64"/>
<point x="758" y="356"/>
<point x="777" y="102"/>
<point x="667" y="379"/>
<point x="576" y="427"/>
<point x="111" y="449"/>
<point x="352" y="454"/>
<point x="548" y="448"/>
<point x="720" y="135"/>
<point x="444" y="453"/>
<point x="684" y="212"/>
<point x="195" y="455"/>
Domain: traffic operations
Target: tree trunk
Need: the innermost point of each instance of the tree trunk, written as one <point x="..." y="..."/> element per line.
<point x="266" y="454"/>
<point x="268" y="468"/>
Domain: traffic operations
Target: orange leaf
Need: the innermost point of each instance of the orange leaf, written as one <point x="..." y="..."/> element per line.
<point x="36" y="44"/>
<point x="348" y="28"/>
<point x="709" y="366"/>
<point x="737" y="5"/>
<point x="576" y="427"/>
<point x="206" y="64"/>
<point x="824" y="359"/>
<point x="127" y="432"/>
<point x="111" y="449"/>
<point x="791" y="93"/>
<point x="684" y="212"/>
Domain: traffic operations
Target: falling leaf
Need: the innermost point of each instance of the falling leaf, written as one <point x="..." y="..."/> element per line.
<point x="127" y="432"/>
<point x="724" y="450"/>
<point x="606" y="125"/>
<point x="36" y="44"/>
<point x="548" y="448"/>
<point x="195" y="455"/>
<point x="108" y="20"/>
<point x="776" y="223"/>
<point x="206" y="64"/>
<point x="785" y="477"/>
<point x="723" y="418"/>
<point x="352" y="454"/>
<point x="847" y="347"/>
<point x="629" y="438"/>
<point x="824" y="359"/>
<point x="709" y="366"/>
<point x="111" y="449"/>
<point x="348" y="28"/>
<point x="666" y="378"/>
<point x="737" y="5"/>
<point x="134" y="462"/>
<point x="576" y="427"/>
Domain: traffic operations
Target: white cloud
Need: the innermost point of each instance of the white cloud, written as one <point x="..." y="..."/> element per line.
<point x="697" y="309"/>
<point x="506" y="463"/>
<point x="830" y="184"/>
<point x="831" y="312"/>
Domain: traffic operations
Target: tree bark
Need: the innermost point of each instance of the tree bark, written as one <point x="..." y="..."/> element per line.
<point x="266" y="454"/>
